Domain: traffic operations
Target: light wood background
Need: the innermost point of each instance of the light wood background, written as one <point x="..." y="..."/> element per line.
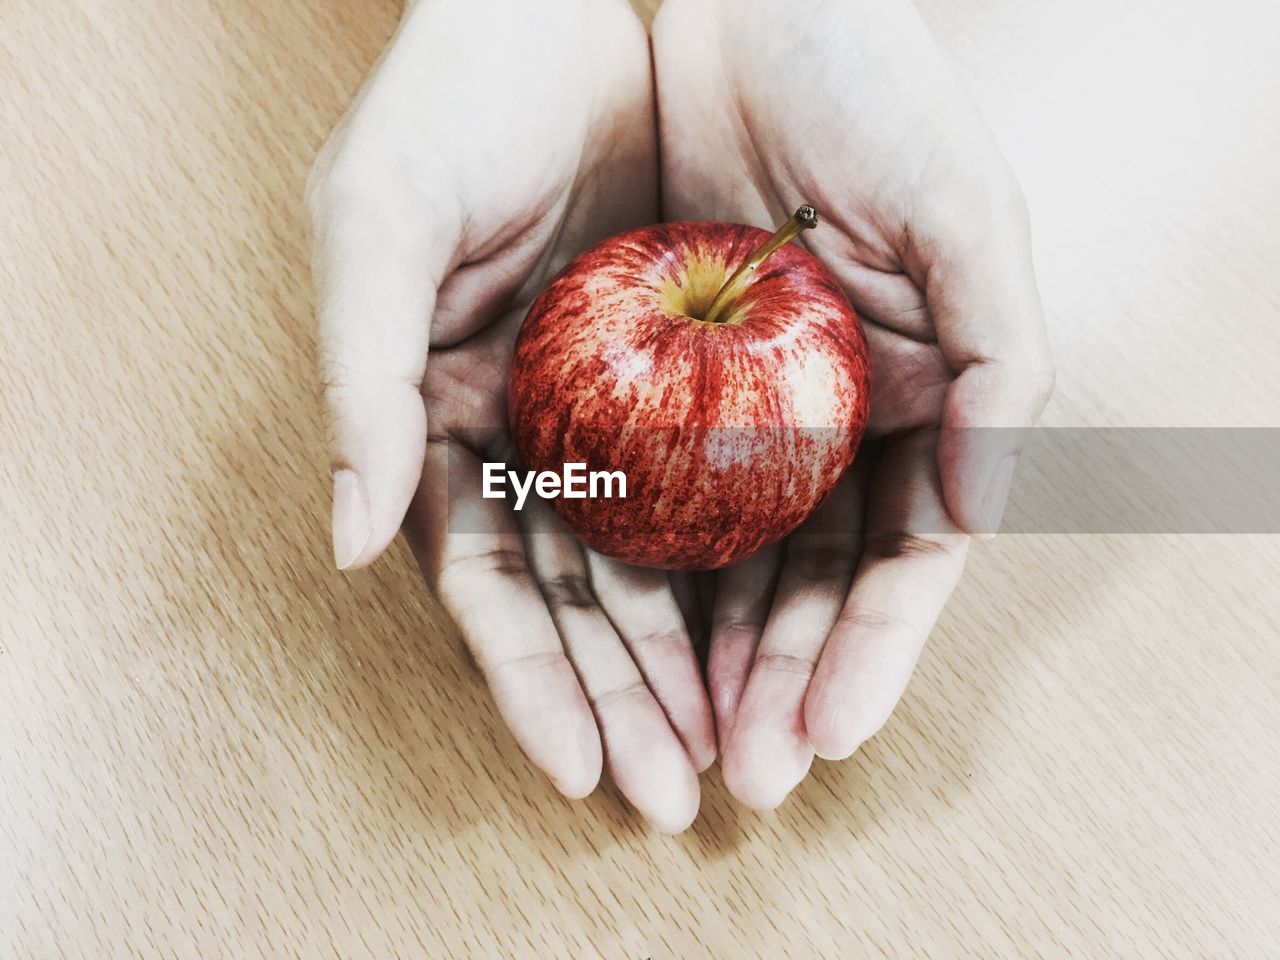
<point x="213" y="745"/>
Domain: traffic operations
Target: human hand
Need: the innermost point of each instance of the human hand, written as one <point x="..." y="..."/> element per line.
<point x="493" y="141"/>
<point x="765" y="104"/>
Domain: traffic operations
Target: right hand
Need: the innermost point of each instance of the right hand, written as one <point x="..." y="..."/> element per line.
<point x="851" y="106"/>
<point x="493" y="141"/>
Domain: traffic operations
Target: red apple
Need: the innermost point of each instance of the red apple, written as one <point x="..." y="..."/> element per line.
<point x="721" y="369"/>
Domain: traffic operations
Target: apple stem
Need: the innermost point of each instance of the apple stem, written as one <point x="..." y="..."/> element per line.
<point x="805" y="218"/>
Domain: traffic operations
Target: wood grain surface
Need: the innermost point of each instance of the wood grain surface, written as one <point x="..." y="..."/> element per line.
<point x="213" y="745"/>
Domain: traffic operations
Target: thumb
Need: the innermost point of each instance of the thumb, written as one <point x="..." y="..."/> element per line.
<point x="377" y="266"/>
<point x="990" y="325"/>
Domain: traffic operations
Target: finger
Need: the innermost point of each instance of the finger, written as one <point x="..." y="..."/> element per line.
<point x="644" y="613"/>
<point x="768" y="752"/>
<point x="912" y="560"/>
<point x="684" y="589"/>
<point x="474" y="558"/>
<point x="643" y="754"/>
<point x="742" y="603"/>
<point x="377" y="263"/>
<point x="986" y="309"/>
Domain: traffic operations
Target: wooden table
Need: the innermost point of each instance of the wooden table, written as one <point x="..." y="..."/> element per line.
<point x="213" y="745"/>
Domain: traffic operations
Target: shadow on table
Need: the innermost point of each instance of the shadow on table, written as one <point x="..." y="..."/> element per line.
<point x="928" y="755"/>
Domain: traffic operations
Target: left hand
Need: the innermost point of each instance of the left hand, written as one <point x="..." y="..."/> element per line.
<point x="765" y="104"/>
<point x="493" y="142"/>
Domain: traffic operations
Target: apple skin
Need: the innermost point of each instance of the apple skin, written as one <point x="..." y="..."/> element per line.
<point x="731" y="433"/>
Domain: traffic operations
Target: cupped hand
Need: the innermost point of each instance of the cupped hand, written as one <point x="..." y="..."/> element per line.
<point x="493" y="141"/>
<point x="849" y="106"/>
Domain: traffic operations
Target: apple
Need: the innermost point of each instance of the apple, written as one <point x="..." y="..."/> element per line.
<point x="720" y="368"/>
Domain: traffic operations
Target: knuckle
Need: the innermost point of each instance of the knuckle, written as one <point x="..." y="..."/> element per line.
<point x="786" y="663"/>
<point x="872" y="618"/>
<point x="455" y="576"/>
<point x="569" y="591"/>
<point x="531" y="661"/>
<point x="895" y="544"/>
<point x="816" y="562"/>
<point x="662" y="639"/>
<point x="737" y="633"/>
<point x="633" y="689"/>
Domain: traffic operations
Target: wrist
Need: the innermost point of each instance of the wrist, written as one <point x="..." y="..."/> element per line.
<point x="487" y="7"/>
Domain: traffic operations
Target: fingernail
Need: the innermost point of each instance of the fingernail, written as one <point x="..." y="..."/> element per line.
<point x="997" y="496"/>
<point x="351" y="526"/>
